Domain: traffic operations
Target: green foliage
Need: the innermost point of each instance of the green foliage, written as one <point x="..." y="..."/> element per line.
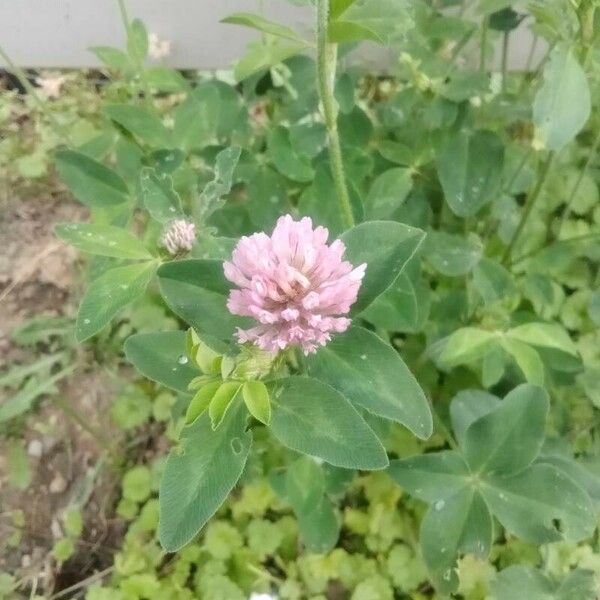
<point x="475" y="200"/>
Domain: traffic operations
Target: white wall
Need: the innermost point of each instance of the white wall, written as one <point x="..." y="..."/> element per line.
<point x="57" y="33"/>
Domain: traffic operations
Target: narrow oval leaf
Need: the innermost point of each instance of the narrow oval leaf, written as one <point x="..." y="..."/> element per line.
<point x="468" y="406"/>
<point x="89" y="180"/>
<point x="264" y="25"/>
<point x="546" y="335"/>
<point x="562" y="105"/>
<point x="386" y="259"/>
<point x="221" y="402"/>
<point x="313" y="418"/>
<point x="387" y="193"/>
<point x="199" y="474"/>
<point x="158" y="196"/>
<point x="141" y="122"/>
<point x="431" y="477"/>
<point x="160" y="356"/>
<point x="107" y="295"/>
<point x="201" y="401"/>
<point x="256" y="397"/>
<point x="509" y="438"/>
<point x="541" y="505"/>
<point x="196" y="291"/>
<point x="459" y="525"/>
<point x="469" y="165"/>
<point x="452" y="255"/>
<point x="104" y="240"/>
<point x="465" y="345"/>
<point x="372" y="375"/>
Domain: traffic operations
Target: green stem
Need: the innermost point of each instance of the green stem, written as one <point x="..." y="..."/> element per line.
<point x="483" y="45"/>
<point x="139" y="66"/>
<point x="567" y="212"/>
<point x="529" y="205"/>
<point x="326" y="65"/>
<point x="60" y="130"/>
<point x="505" y="39"/>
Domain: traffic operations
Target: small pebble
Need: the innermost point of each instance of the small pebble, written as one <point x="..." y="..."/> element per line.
<point x="58" y="484"/>
<point x="35" y="448"/>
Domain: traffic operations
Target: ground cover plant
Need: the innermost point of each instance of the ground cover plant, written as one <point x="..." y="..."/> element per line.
<point x="364" y="307"/>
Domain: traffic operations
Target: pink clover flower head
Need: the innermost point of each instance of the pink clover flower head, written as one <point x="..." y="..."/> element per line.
<point x="294" y="284"/>
<point x="179" y="236"/>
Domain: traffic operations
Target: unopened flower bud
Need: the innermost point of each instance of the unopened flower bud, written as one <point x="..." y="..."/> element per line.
<point x="179" y="236"/>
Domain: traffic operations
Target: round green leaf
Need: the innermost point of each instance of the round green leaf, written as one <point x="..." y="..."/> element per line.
<point x="199" y="474"/>
<point x="509" y="438"/>
<point x="386" y="259"/>
<point x="372" y="375"/>
<point x="160" y="356"/>
<point x="313" y="418"/>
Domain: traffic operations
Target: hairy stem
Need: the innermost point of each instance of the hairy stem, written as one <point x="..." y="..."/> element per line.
<point x="529" y="205"/>
<point x="326" y="65"/>
<point x="505" y="40"/>
<point x="483" y="45"/>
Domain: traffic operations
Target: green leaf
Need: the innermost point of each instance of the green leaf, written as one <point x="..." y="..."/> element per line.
<point x="199" y="474"/>
<point x="264" y="55"/>
<point x="431" y="477"/>
<point x="545" y="335"/>
<point x="167" y="80"/>
<point x="221" y="401"/>
<point x="527" y="358"/>
<point x="469" y="165"/>
<point x="387" y="193"/>
<point x="225" y="164"/>
<point x="256" y="397"/>
<point x="158" y="196"/>
<point x="196" y="291"/>
<point x="466" y="345"/>
<point x="196" y="119"/>
<point x="468" y="406"/>
<point x="137" y="484"/>
<point x="109" y="294"/>
<point x="562" y="105"/>
<point x="508" y="439"/>
<point x="380" y="21"/>
<point x="137" y="41"/>
<point x="396" y="245"/>
<point x="520" y="581"/>
<point x="541" y="505"/>
<point x="89" y="180"/>
<point x="141" y="122"/>
<point x="313" y="418"/>
<point x="160" y="356"/>
<point x="201" y="401"/>
<point x="460" y="524"/>
<point x="104" y="240"/>
<point x="452" y="255"/>
<point x="493" y="282"/>
<point x="285" y="159"/>
<point x="264" y="25"/>
<point x="113" y="58"/>
<point x="371" y="374"/>
<point x="305" y="491"/>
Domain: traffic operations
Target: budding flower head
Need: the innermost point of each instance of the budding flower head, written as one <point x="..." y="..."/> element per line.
<point x="157" y="47"/>
<point x="179" y="236"/>
<point x="294" y="284"/>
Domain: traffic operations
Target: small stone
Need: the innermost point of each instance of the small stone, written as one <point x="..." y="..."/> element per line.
<point x="58" y="484"/>
<point x="35" y="448"/>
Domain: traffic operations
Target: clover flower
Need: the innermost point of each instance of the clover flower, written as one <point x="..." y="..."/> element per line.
<point x="294" y="284"/>
<point x="179" y="236"/>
